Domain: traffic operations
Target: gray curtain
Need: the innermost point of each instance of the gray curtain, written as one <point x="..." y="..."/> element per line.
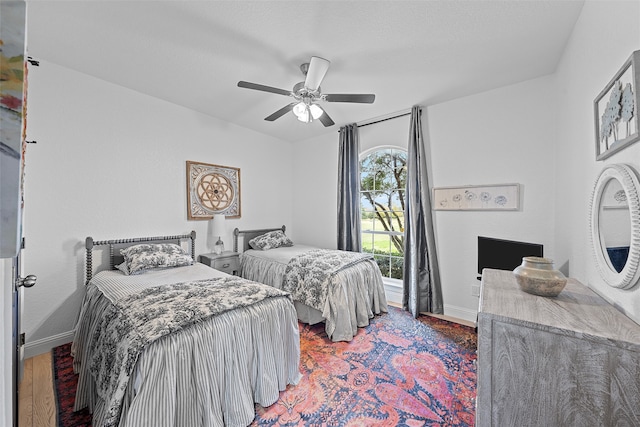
<point x="422" y="291"/>
<point x="349" y="189"/>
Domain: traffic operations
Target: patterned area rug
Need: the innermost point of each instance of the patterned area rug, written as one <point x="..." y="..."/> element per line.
<point x="396" y="371"/>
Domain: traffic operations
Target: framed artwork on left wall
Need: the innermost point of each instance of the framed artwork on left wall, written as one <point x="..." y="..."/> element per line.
<point x="212" y="190"/>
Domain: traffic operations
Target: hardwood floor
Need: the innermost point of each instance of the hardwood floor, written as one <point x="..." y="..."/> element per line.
<point x="37" y="406"/>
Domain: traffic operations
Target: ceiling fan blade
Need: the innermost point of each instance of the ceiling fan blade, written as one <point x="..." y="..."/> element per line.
<point x="281" y="112"/>
<point x="325" y="119"/>
<point x="350" y="97"/>
<point x="317" y="69"/>
<point x="263" y="88"/>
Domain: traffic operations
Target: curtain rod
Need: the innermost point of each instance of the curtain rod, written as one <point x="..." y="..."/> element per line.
<point x="406" y="113"/>
<point x="393" y="116"/>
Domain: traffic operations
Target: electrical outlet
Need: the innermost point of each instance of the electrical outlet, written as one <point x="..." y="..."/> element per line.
<point x="475" y="290"/>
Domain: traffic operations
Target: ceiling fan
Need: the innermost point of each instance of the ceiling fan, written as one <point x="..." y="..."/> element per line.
<point x="307" y="94"/>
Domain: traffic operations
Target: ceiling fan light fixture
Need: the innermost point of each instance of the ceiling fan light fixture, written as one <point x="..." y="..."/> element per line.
<point x="302" y="112"/>
<point x="307" y="93"/>
<point x="299" y="109"/>
<point x="316" y="111"/>
<point x="307" y="112"/>
<point x="305" y="118"/>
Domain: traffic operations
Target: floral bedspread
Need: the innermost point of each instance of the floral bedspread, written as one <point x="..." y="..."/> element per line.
<point x="132" y="322"/>
<point x="308" y="275"/>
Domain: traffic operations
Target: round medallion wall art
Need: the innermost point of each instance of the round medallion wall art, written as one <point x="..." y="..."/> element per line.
<point x="212" y="190"/>
<point x="614" y="224"/>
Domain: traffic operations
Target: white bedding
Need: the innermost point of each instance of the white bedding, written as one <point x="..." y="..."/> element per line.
<point x="209" y="374"/>
<point x="356" y="295"/>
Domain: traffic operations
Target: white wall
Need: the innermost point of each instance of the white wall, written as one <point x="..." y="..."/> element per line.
<point x="603" y="39"/>
<point x="315" y="168"/>
<point x="506" y="135"/>
<point x="110" y="163"/>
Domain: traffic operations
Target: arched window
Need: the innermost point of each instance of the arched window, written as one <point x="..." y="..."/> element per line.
<point x="383" y="174"/>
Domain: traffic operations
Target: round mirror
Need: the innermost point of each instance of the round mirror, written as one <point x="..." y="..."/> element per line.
<point x="615" y="225"/>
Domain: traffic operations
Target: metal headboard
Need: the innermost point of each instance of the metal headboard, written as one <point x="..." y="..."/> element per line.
<point x="122" y="243"/>
<point x="250" y="234"/>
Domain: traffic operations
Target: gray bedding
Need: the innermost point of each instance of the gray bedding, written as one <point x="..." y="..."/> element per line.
<point x="352" y="294"/>
<point x="201" y="362"/>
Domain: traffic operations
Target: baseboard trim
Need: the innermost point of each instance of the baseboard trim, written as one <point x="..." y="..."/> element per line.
<point x="393" y="294"/>
<point x="453" y="313"/>
<point x="461" y="313"/>
<point x="45" y="345"/>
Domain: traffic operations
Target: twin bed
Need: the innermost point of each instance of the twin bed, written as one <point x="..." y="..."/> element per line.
<point x="179" y="344"/>
<point x="342" y="289"/>
<point x="162" y="340"/>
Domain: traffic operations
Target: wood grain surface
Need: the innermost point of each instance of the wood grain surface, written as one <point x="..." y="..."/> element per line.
<point x="37" y="406"/>
<point x="570" y="360"/>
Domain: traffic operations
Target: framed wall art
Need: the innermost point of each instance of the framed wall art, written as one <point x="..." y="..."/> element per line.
<point x="212" y="190"/>
<point x="497" y="197"/>
<point x="13" y="86"/>
<point x="616" y="110"/>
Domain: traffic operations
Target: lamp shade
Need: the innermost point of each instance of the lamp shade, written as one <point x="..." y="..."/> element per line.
<point x="217" y="223"/>
<point x="218" y="229"/>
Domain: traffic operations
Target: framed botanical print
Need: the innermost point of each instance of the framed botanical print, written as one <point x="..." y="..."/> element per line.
<point x="212" y="190"/>
<point x="616" y="110"/>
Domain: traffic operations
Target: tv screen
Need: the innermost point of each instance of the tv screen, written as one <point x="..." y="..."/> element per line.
<point x="504" y="254"/>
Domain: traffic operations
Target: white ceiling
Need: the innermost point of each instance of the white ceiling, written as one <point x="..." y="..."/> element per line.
<point x="193" y="53"/>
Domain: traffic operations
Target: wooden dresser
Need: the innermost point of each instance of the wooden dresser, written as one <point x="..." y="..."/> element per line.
<point x="571" y="360"/>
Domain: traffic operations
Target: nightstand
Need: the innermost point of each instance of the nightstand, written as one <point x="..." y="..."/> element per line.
<point x="229" y="262"/>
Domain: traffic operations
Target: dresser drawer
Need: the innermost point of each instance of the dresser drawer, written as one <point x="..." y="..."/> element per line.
<point x="230" y="265"/>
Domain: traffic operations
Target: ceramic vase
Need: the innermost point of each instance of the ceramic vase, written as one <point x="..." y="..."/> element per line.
<point x="536" y="276"/>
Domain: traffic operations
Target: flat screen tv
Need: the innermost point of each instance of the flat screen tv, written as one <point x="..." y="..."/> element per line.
<point x="504" y="254"/>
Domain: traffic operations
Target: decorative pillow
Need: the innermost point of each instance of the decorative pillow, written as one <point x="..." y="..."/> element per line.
<point x="123" y="267"/>
<point x="270" y="240"/>
<point x="144" y="257"/>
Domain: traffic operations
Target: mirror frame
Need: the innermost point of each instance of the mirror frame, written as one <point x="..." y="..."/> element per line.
<point x="630" y="274"/>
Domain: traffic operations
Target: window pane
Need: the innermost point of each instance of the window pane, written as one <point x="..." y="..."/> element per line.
<point x="399" y="160"/>
<point x="366" y="223"/>
<point x="375" y="223"/>
<point x="396" y="268"/>
<point x="383" y="180"/>
<point x="397" y="221"/>
<point x="367" y="242"/>
<point x="387" y="179"/>
<point x="380" y="180"/>
<point x="366" y="163"/>
<point x="365" y="202"/>
<point x="366" y="180"/>
<point x="397" y="199"/>
<point x="397" y="247"/>
<point x="381" y="199"/>
<point x="381" y="243"/>
<point x="383" y="263"/>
